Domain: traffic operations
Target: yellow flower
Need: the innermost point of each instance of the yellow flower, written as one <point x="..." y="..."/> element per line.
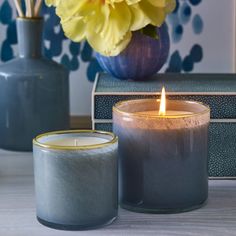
<point x="52" y="2"/>
<point x="108" y="24"/>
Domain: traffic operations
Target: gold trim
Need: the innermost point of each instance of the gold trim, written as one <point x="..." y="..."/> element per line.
<point x="30" y="18"/>
<point x="116" y="108"/>
<point x="87" y="147"/>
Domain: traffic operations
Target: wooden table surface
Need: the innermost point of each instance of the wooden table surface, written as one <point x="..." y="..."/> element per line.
<point x="17" y="209"/>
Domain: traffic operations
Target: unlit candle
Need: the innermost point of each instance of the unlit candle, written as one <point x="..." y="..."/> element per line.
<point x="76" y="179"/>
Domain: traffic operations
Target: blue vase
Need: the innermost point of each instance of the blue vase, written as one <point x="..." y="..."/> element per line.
<point x="34" y="91"/>
<point x="143" y="57"/>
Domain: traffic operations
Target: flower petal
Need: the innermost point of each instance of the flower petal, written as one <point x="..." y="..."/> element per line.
<point x="131" y="2"/>
<point x="52" y="2"/>
<point x="107" y="49"/>
<point x="70" y="8"/>
<point x="108" y="24"/>
<point x="139" y="19"/>
<point x="117" y="25"/>
<point x="121" y="45"/>
<point x="156" y="15"/>
<point x="74" y="29"/>
<point x="158" y="3"/>
<point x="170" y="6"/>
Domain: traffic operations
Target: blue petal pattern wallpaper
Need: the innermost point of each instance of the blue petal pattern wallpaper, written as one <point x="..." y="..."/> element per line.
<point x="182" y="16"/>
<point x="191" y="32"/>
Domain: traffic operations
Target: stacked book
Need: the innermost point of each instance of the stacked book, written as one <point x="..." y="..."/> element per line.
<point x="218" y="91"/>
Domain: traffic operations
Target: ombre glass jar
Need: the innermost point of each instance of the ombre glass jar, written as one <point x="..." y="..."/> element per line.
<point x="163" y="159"/>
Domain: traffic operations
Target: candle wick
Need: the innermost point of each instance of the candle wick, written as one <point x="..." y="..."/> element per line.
<point x="76" y="142"/>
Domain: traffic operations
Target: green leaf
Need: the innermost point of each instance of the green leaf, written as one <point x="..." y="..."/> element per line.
<point x="150" y="31"/>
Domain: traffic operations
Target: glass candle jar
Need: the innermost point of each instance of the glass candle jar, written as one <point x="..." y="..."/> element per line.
<point x="76" y="179"/>
<point x="163" y="159"/>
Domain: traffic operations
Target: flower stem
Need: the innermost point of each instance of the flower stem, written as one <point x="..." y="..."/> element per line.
<point x="37" y="7"/>
<point x="19" y="8"/>
<point x="29" y="8"/>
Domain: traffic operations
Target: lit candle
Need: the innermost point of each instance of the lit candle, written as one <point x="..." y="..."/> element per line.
<point x="163" y="152"/>
<point x="76" y="179"/>
<point x="162" y="109"/>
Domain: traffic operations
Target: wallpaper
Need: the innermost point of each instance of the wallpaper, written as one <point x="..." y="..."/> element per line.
<point x="181" y="17"/>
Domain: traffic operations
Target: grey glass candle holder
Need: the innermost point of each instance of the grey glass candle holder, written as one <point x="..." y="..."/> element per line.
<point x="76" y="186"/>
<point x="162" y="159"/>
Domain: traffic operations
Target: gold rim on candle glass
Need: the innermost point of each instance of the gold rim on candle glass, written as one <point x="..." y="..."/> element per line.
<point x="113" y="140"/>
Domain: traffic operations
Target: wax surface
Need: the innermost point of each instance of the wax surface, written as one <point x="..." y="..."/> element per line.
<point x="77" y="141"/>
<point x="168" y="113"/>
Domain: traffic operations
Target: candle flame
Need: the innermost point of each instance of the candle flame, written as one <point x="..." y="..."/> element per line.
<point x="76" y="143"/>
<point x="162" y="109"/>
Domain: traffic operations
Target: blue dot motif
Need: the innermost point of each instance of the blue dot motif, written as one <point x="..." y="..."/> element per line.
<point x="175" y="65"/>
<point x="188" y="64"/>
<point x="185" y="16"/>
<point x="197" y="24"/>
<point x="185" y="13"/>
<point x="195" y="2"/>
<point x="196" y="53"/>
<point x="182" y="16"/>
<point x="5" y="13"/>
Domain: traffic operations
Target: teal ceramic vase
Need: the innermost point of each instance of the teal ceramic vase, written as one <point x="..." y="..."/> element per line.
<point x="34" y="91"/>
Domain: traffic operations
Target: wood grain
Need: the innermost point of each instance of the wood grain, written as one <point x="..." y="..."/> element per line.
<point x="80" y="122"/>
<point x="17" y="209"/>
<point x="15" y="163"/>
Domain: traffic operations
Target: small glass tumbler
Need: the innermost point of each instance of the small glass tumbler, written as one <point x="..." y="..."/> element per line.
<point x="76" y="179"/>
<point x="163" y="159"/>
